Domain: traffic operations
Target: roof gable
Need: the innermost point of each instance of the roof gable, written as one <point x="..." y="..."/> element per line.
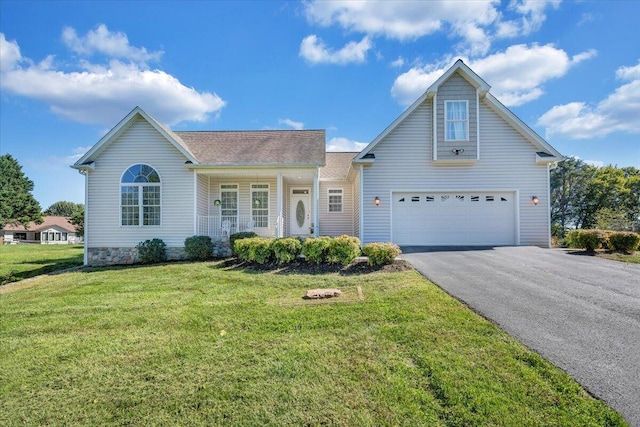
<point x="90" y="156"/>
<point x="338" y="165"/>
<point x="483" y="91"/>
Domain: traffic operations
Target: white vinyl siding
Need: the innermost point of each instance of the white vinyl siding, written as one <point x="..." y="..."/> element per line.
<point x="456" y="88"/>
<point x="139" y="143"/>
<point x="336" y="223"/>
<point x="402" y="163"/>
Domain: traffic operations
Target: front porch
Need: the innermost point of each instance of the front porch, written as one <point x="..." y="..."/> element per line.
<point x="271" y="203"/>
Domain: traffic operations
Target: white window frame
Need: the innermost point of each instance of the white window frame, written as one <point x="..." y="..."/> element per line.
<point x="253" y="207"/>
<point x="329" y="195"/>
<point x="141" y="206"/>
<point x="446" y="121"/>
<point x="236" y="189"/>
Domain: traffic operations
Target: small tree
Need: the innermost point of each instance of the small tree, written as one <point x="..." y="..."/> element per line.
<point x="77" y="219"/>
<point x="17" y="204"/>
<point x="63" y="208"/>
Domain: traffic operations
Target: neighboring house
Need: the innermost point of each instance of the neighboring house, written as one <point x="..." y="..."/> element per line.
<point x="467" y="172"/>
<point x="55" y="230"/>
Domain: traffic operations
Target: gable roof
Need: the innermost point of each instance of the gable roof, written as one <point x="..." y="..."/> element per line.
<point x="217" y="148"/>
<point x="483" y="88"/>
<point x="257" y="148"/>
<point x="48" y="222"/>
<point x="338" y="164"/>
<point x="85" y="161"/>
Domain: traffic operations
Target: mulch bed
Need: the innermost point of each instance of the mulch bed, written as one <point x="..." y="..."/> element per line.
<point x="359" y="266"/>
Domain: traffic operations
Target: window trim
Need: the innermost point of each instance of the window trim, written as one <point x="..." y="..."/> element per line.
<point x="329" y="190"/>
<point x="446" y="121"/>
<point x="140" y="204"/>
<point x="251" y="191"/>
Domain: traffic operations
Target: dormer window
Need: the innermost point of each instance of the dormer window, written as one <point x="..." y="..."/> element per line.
<point x="456" y="115"/>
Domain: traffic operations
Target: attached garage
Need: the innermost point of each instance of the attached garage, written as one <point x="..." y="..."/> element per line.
<point x="454" y="218"/>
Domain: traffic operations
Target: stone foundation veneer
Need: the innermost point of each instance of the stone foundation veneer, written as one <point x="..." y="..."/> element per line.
<point x="118" y="256"/>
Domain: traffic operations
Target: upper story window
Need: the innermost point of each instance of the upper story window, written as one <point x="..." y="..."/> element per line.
<point x="456" y="115"/>
<point x="335" y="199"/>
<point x="140" y="196"/>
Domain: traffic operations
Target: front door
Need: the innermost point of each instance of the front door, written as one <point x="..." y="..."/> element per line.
<point x="299" y="212"/>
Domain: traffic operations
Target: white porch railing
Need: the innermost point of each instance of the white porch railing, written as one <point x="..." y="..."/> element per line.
<point x="224" y="226"/>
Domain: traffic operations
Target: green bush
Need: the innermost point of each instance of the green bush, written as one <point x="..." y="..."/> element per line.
<point x="625" y="242"/>
<point x="241" y="248"/>
<point x="315" y="249"/>
<point x="571" y="239"/>
<point x="238" y="236"/>
<point x="198" y="248"/>
<point x="286" y="249"/>
<point x="590" y="240"/>
<point x="152" y="251"/>
<point x="343" y="250"/>
<point x="381" y="253"/>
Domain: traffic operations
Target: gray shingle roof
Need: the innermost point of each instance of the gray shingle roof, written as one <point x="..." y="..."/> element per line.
<point x="263" y="147"/>
<point x="337" y="165"/>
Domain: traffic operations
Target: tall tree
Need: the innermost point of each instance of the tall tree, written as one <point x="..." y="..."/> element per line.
<point x="17" y="204"/>
<point x="569" y="180"/>
<point x="63" y="208"/>
<point x="77" y="219"/>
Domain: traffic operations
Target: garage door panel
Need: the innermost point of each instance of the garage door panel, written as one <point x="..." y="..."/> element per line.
<point x="454" y="218"/>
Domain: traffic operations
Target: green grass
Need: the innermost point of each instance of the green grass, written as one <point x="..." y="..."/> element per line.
<point x="18" y="262"/>
<point x="633" y="258"/>
<point x="200" y="344"/>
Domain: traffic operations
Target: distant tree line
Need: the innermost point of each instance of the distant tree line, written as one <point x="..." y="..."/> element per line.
<point x="586" y="196"/>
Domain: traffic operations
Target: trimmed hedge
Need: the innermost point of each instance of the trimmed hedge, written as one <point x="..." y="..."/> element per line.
<point x="198" y="248"/>
<point x="381" y="253"/>
<point x="238" y="236"/>
<point x="152" y="251"/>
<point x="590" y="240"/>
<point x="286" y="249"/>
<point x="255" y="249"/>
<point x="343" y="250"/>
<point x="315" y="249"/>
<point x="625" y="242"/>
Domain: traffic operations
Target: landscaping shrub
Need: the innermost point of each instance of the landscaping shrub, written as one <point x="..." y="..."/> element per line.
<point x="286" y="249"/>
<point x="343" y="250"/>
<point x="571" y="239"/>
<point x="152" y="251"/>
<point x="238" y="236"/>
<point x="590" y="240"/>
<point x="198" y="248"/>
<point x="625" y="242"/>
<point x="315" y="249"/>
<point x="255" y="249"/>
<point x="381" y="253"/>
<point x="241" y="248"/>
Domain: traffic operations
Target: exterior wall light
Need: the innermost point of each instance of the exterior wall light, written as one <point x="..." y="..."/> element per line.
<point x="534" y="200"/>
<point x="377" y="201"/>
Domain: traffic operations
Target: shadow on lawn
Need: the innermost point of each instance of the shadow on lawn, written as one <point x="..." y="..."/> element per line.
<point x="358" y="267"/>
<point x="48" y="267"/>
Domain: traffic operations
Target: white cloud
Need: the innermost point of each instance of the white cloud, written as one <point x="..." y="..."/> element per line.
<point x="596" y="163"/>
<point x="314" y="50"/>
<point x="618" y="112"/>
<point x="344" y="144"/>
<point x="111" y="44"/>
<point x="475" y="22"/>
<point x="398" y="62"/>
<point x="103" y="94"/>
<point x="292" y="124"/>
<point x="9" y="54"/>
<point x="516" y="75"/>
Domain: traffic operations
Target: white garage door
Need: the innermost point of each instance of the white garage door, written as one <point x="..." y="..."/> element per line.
<point x="454" y="218"/>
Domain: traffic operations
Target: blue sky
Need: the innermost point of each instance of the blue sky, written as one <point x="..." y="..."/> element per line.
<point x="69" y="71"/>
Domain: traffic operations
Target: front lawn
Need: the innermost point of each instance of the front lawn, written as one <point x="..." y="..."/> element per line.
<point x="18" y="262"/>
<point x="633" y="258"/>
<point x="208" y="344"/>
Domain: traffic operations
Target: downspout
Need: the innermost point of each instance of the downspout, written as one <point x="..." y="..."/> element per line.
<point x="316" y="201"/>
<point x="86" y="214"/>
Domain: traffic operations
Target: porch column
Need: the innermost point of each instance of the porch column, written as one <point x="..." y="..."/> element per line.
<point x="316" y="203"/>
<point x="279" y="210"/>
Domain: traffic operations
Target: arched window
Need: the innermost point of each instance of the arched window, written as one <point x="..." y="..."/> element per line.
<point x="140" y="196"/>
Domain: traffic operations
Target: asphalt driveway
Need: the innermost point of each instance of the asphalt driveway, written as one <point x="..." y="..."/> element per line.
<point x="582" y="313"/>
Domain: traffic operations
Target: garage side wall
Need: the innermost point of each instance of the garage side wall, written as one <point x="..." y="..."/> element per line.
<point x="507" y="163"/>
